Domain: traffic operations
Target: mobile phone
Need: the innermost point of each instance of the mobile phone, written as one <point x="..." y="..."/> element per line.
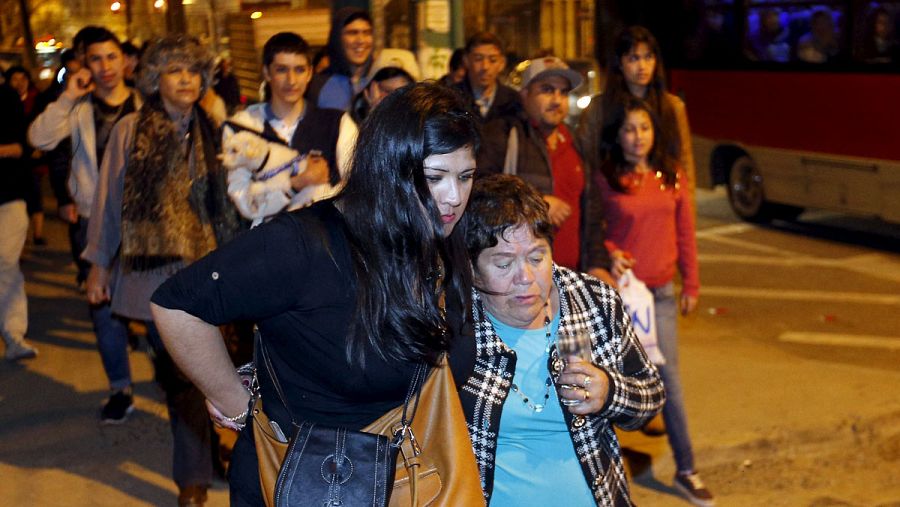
<point x="85" y="83"/>
<point x="279" y="435"/>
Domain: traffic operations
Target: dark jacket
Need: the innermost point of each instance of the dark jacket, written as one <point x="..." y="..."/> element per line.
<point x="230" y="90"/>
<point x="506" y="101"/>
<point x="533" y="166"/>
<point x="15" y="176"/>
<point x="317" y="131"/>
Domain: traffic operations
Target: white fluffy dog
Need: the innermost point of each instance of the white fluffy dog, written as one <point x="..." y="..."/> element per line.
<point x="259" y="173"/>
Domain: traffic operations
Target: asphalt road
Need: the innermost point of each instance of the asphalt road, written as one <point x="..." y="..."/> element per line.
<point x="791" y="368"/>
<point x="791" y="364"/>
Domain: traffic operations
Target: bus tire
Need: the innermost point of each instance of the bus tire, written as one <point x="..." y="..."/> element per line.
<point x="746" y="193"/>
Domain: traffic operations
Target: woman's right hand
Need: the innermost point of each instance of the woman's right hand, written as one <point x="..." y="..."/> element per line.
<point x="220" y="419"/>
<point x="97" y="285"/>
<point x="622" y="261"/>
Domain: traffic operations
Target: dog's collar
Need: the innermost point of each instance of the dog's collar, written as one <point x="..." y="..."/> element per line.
<point x="265" y="160"/>
<point x="292" y="164"/>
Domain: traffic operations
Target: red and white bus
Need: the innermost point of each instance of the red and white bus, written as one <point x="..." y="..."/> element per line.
<point x="792" y="104"/>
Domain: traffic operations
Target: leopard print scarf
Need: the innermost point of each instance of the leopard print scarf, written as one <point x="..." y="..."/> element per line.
<point x="174" y="205"/>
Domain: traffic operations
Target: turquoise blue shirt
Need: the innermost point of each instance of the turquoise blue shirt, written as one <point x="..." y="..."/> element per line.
<point x="536" y="462"/>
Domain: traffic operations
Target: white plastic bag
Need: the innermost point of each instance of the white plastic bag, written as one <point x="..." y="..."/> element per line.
<point x="639" y="304"/>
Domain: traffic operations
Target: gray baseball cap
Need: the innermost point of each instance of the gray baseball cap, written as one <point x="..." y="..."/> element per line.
<point x="547" y="66"/>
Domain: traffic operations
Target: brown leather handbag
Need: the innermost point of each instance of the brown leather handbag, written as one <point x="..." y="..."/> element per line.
<point x="446" y="471"/>
<point x="270" y="452"/>
<point x="436" y="466"/>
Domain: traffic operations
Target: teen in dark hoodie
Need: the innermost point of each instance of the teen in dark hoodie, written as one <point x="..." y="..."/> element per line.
<point x="350" y="45"/>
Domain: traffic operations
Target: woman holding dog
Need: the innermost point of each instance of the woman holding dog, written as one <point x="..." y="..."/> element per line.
<point x="160" y="205"/>
<point x="349" y="294"/>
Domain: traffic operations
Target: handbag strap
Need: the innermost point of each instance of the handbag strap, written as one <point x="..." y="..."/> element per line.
<point x="413" y="392"/>
<point x="271" y="370"/>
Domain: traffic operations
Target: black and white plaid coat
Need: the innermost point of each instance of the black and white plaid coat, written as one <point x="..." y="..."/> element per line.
<point x="636" y="390"/>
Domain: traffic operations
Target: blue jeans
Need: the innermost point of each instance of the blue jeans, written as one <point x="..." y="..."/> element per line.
<point x="112" y="332"/>
<point x="191" y="428"/>
<point x="77" y="242"/>
<point x="673" y="411"/>
<point x="112" y="342"/>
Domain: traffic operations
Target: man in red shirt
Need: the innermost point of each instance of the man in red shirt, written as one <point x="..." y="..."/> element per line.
<point x="538" y="147"/>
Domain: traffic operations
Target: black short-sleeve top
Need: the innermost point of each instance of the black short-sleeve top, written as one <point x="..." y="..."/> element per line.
<point x="294" y="277"/>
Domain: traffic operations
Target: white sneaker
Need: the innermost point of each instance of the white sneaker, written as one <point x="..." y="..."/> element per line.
<point x="17" y="350"/>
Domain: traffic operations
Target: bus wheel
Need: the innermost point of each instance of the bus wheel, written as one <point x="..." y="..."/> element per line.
<point x="748" y="198"/>
<point x="745" y="191"/>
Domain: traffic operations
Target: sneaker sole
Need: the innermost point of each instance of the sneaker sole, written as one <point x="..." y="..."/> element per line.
<point x="699" y="502"/>
<point x="22" y="357"/>
<point x="115" y="422"/>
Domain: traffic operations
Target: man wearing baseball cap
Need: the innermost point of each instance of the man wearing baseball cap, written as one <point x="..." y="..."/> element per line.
<point x="539" y="148"/>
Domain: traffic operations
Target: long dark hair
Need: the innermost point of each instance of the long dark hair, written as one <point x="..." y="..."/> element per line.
<point x="616" y="91"/>
<point x="615" y="166"/>
<point x="403" y="263"/>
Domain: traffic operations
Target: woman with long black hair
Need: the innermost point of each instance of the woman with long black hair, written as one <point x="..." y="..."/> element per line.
<point x="636" y="70"/>
<point x="349" y="294"/>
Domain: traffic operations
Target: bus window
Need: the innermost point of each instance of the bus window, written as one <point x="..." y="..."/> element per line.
<point x="803" y="111"/>
<point x="767" y="35"/>
<point x="877" y="42"/>
<point x="713" y="40"/>
<point x="820" y="43"/>
<point x="807" y="32"/>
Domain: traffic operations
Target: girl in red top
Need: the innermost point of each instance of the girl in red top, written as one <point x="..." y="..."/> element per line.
<point x="650" y="229"/>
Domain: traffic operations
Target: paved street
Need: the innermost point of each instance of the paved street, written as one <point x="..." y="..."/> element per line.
<point x="791" y="369"/>
<point x="791" y="365"/>
<point x="52" y="449"/>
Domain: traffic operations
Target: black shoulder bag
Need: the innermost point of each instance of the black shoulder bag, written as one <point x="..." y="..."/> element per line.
<point x="335" y="466"/>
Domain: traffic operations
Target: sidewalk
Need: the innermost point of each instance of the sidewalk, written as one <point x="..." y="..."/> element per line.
<point x="53" y="451"/>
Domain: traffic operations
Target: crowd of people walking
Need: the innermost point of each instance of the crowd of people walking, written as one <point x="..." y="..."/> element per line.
<point x="458" y="223"/>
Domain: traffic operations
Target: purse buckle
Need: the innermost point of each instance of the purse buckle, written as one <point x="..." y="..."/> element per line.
<point x="409" y="447"/>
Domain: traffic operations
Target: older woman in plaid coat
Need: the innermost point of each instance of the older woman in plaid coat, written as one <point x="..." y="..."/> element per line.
<point x="556" y="441"/>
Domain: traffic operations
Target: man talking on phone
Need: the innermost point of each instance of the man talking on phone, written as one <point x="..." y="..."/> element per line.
<point x="94" y="99"/>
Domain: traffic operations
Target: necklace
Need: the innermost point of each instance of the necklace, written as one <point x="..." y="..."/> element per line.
<point x="538" y="407"/>
<point x="633" y="180"/>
